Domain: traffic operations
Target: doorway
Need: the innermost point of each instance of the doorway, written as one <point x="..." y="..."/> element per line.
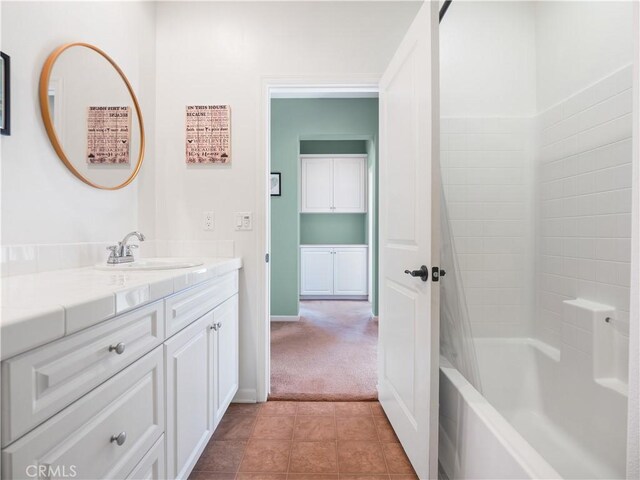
<point x="323" y="233"/>
<point x="408" y="232"/>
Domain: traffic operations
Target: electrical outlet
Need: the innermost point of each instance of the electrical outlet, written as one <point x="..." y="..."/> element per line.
<point x="244" y="221"/>
<point x="207" y="221"/>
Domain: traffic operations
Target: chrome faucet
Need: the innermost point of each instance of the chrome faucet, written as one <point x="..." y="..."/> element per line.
<point x="121" y="253"/>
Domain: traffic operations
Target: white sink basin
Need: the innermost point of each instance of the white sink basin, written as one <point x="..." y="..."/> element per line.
<point x="150" y="264"/>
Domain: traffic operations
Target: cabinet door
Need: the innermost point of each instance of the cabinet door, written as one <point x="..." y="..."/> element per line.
<point x="316" y="271"/>
<point x="349" y="185"/>
<point x="350" y="271"/>
<point x="151" y="467"/>
<point x="226" y="356"/>
<point x="316" y="192"/>
<point x="189" y="367"/>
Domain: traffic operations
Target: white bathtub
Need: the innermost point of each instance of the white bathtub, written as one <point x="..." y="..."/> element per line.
<point x="541" y="416"/>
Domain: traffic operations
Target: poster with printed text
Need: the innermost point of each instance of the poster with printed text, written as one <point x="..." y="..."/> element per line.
<point x="208" y="134"/>
<point x="108" y="135"/>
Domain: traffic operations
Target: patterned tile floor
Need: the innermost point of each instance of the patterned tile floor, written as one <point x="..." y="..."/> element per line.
<point x="304" y="441"/>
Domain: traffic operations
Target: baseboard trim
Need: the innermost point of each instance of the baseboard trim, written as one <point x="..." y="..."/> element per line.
<point x="246" y="395"/>
<point x="285" y="318"/>
<point x="333" y="297"/>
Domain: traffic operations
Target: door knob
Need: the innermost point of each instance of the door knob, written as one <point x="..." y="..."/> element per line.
<point x="423" y="273"/>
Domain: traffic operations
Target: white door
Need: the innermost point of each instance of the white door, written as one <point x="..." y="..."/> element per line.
<point x="350" y="271"/>
<point x="189" y="372"/>
<point x="349" y="185"/>
<point x="316" y="271"/>
<point x="225" y="319"/>
<point x="409" y="192"/>
<point x="316" y="189"/>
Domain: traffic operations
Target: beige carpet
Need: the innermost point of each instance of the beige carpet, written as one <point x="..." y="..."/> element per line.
<point x="330" y="354"/>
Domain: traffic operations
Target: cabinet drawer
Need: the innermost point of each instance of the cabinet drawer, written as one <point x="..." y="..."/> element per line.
<point x="186" y="307"/>
<point x="79" y="438"/>
<point x="152" y="465"/>
<point x="42" y="382"/>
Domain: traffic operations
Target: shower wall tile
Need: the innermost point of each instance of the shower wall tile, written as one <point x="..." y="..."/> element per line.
<point x="485" y="168"/>
<point x="583" y="204"/>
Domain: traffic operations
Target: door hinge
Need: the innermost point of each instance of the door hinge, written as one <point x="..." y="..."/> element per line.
<point x="266" y="258"/>
<point x="436" y="273"/>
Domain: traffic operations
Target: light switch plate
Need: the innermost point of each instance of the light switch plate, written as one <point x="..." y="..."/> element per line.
<point x="244" y="221"/>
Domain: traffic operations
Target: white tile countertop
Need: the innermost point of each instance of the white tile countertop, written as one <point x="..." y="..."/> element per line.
<point x="38" y="308"/>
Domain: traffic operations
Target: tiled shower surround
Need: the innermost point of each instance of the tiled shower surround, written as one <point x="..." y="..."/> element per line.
<point x="486" y="170"/>
<point x="584" y="206"/>
<point x="541" y="213"/>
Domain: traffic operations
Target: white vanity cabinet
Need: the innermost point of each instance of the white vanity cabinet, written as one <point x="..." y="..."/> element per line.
<point x="64" y="370"/>
<point x="202" y="379"/>
<point x="83" y="437"/>
<point x="190" y="385"/>
<point x="334" y="271"/>
<point x="333" y="184"/>
<point x="226" y="356"/>
<point x="136" y="396"/>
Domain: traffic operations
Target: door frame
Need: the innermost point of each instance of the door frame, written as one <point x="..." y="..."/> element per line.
<point x="633" y="418"/>
<point x="295" y="86"/>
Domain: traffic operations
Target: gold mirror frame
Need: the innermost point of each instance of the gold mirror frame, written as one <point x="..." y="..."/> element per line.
<point x="48" y="121"/>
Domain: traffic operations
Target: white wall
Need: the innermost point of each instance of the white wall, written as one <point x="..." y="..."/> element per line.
<point x="175" y="54"/>
<point x="42" y="202"/>
<point x="487" y="59"/>
<point x="579" y="43"/>
<point x="221" y="53"/>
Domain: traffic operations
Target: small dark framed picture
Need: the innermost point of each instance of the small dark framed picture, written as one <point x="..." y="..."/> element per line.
<point x="275" y="184"/>
<point x="5" y="94"/>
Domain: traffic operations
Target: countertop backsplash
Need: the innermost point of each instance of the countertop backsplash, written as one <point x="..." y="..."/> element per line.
<point x="35" y="258"/>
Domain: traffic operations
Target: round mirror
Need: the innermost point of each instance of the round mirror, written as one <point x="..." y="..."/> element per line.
<point x="92" y="116"/>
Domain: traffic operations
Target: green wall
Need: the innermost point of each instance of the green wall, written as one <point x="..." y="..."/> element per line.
<point x="314" y="126"/>
<point x="319" y="228"/>
<point x="331" y="147"/>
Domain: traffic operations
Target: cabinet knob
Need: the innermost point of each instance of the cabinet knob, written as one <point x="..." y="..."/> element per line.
<point x="216" y="326"/>
<point x="119" y="438"/>
<point x="119" y="348"/>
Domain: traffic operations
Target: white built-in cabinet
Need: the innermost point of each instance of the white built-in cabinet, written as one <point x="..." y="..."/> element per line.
<point x="136" y="396"/>
<point x="333" y="184"/>
<point x="333" y="270"/>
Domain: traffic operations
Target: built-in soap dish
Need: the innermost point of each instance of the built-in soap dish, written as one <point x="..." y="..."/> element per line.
<point x="610" y="348"/>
